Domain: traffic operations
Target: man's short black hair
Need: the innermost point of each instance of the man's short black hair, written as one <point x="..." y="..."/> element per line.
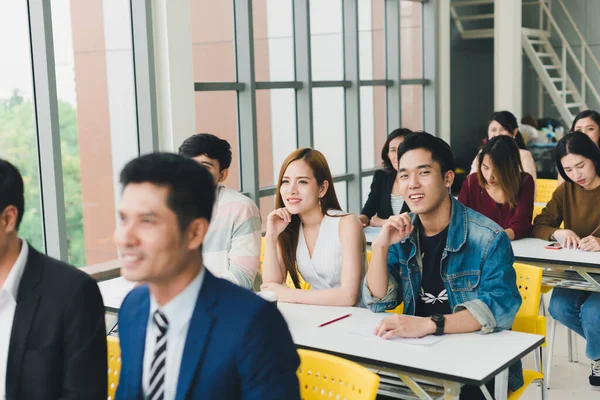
<point x="11" y="189"/>
<point x="440" y="150"/>
<point x="205" y="144"/>
<point x="191" y="187"/>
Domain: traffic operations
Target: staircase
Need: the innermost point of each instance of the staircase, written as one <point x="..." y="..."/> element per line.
<point x="474" y="18"/>
<point x="550" y="66"/>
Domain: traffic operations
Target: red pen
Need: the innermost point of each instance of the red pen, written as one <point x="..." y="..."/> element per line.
<point x="334" y="320"/>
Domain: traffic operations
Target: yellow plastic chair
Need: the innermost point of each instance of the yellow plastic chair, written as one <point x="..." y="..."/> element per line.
<point x="323" y="376"/>
<point x="529" y="282"/>
<point x="114" y="365"/>
<point x="544" y="188"/>
<point x="303" y="284"/>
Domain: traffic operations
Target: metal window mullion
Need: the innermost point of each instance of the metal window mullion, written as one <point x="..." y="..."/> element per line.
<point x="278" y="85"/>
<point x="429" y="30"/>
<point x="218" y="86"/>
<point x="48" y="130"/>
<point x="302" y="62"/>
<point x="393" y="65"/>
<point x="246" y="99"/>
<point x="332" y="84"/>
<point x="144" y="75"/>
<point x="352" y="104"/>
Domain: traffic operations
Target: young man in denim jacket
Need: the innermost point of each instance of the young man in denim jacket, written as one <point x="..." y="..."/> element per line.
<point x="445" y="262"/>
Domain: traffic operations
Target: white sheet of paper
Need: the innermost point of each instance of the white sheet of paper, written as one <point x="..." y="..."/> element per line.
<point x="366" y="330"/>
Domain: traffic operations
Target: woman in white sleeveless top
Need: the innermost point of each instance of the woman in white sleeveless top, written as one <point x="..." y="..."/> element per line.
<point x="308" y="235"/>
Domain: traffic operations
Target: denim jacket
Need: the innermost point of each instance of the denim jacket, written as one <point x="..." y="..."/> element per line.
<point x="477" y="270"/>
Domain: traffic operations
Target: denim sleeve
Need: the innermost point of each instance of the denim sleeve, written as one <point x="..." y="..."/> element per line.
<point x="498" y="297"/>
<point x="390" y="300"/>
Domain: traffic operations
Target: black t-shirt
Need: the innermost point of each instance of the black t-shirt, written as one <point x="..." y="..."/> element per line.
<point x="432" y="298"/>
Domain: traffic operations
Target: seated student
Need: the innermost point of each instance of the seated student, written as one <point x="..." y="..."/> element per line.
<point x="52" y="329"/>
<point x="384" y="198"/>
<point x="184" y="333"/>
<point x="576" y="203"/>
<point x="500" y="189"/>
<point x="307" y="229"/>
<point x="588" y="122"/>
<point x="505" y="123"/>
<point x="444" y="251"/>
<point x="231" y="248"/>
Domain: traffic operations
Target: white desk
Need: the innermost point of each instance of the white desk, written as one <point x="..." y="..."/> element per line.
<point x="562" y="268"/>
<point x="113" y="292"/>
<point x="471" y="359"/>
<point x="371" y="233"/>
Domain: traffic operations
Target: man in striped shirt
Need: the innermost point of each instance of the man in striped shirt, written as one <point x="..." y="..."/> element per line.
<point x="231" y="248"/>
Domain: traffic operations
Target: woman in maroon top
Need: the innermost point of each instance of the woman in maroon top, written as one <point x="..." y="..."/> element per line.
<point x="500" y="189"/>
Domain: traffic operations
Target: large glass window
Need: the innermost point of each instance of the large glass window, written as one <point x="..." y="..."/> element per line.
<point x="18" y="141"/>
<point x="411" y="43"/>
<point x="97" y="114"/>
<point x="276" y="124"/>
<point x="213" y="42"/>
<point x="282" y="115"/>
<point x="273" y="40"/>
<point x="326" y="40"/>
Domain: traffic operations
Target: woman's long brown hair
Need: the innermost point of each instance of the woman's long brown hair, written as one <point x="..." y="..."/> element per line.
<point x="506" y="160"/>
<point x="288" y="240"/>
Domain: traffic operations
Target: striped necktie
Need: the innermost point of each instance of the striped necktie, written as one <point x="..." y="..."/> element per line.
<point x="156" y="390"/>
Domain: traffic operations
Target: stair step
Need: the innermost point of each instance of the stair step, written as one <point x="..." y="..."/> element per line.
<point x="544" y="54"/>
<point x="475" y="17"/>
<point x="551" y="67"/>
<point x="538" y="42"/>
<point x="573" y="105"/>
<point x="535" y="33"/>
<point x="470" y="3"/>
<point x="477" y="33"/>
<point x="556" y="79"/>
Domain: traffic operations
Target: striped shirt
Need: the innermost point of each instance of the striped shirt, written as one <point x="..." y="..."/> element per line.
<point x="231" y="248"/>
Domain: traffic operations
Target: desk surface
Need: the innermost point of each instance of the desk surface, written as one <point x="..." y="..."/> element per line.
<point x="464" y="358"/>
<point x="532" y="250"/>
<point x="113" y="292"/>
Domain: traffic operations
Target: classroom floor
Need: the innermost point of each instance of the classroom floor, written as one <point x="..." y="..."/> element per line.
<point x="568" y="380"/>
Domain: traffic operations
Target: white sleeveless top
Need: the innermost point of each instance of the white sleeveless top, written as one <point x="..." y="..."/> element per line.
<point x="324" y="270"/>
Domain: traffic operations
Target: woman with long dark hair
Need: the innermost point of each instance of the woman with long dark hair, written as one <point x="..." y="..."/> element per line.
<point x="310" y="238"/>
<point x="575" y="203"/>
<point x="500" y="189"/>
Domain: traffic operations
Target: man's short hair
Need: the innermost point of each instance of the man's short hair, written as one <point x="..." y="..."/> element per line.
<point x="440" y="150"/>
<point x="191" y="188"/>
<point x="11" y="189"/>
<point x="205" y="144"/>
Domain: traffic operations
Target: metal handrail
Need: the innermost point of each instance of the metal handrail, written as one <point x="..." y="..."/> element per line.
<point x="583" y="42"/>
<point x="567" y="50"/>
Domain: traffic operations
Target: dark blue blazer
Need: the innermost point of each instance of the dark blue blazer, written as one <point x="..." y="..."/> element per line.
<point x="238" y="346"/>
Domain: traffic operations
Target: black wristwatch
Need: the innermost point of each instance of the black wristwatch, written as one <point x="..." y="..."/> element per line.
<point x="440" y="321"/>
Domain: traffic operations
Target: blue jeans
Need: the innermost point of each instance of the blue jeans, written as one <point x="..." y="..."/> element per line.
<point x="579" y="311"/>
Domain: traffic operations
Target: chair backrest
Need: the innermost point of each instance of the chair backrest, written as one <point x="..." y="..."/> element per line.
<point x="544" y="188"/>
<point x="114" y="365"/>
<point x="368" y="256"/>
<point x="537" y="210"/>
<point x="323" y="376"/>
<point x="262" y="252"/>
<point x="529" y="283"/>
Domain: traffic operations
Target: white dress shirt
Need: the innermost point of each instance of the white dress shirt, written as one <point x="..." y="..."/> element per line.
<point x="178" y="312"/>
<point x="8" y="304"/>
